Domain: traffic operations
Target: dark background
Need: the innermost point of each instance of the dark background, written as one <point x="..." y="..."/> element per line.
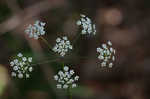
<point x="126" y="23"/>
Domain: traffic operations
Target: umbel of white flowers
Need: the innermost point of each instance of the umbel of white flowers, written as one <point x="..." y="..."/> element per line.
<point x="35" y="30"/>
<point x="21" y="66"/>
<point x="66" y="78"/>
<point x="62" y="46"/>
<point x="86" y="24"/>
<point x="106" y="54"/>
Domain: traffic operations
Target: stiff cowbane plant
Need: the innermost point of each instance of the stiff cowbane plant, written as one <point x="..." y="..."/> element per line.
<point x="65" y="78"/>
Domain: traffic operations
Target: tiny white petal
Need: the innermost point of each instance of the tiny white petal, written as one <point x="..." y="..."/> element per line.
<point x="110" y="65"/>
<point x="30" y="59"/>
<point x="15" y="68"/>
<point x="113" y="58"/>
<point x="111" y="49"/>
<point x="20" y="55"/>
<point x="27" y="75"/>
<point x="78" y="22"/>
<point x="83" y="31"/>
<point x="109" y="43"/>
<point x="82" y="15"/>
<point x="59" y="86"/>
<point x="103" y="64"/>
<point x="20" y="75"/>
<point x="12" y="63"/>
<point x="56" y="77"/>
<point x="65" y="86"/>
<point x="66" y="68"/>
<point x="76" y="78"/>
<point x="24" y="59"/>
<point x="99" y="49"/>
<point x="71" y="72"/>
<point x="100" y="57"/>
<point x="58" y="40"/>
<point x="16" y="61"/>
<point x="65" y="38"/>
<point x="104" y="46"/>
<point x="30" y="69"/>
<point x="74" y="85"/>
<point x="13" y="74"/>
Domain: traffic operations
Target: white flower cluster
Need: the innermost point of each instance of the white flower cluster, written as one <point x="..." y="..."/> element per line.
<point x="35" y="30"/>
<point x="21" y="66"/>
<point x="86" y="24"/>
<point x="66" y="78"/>
<point x="107" y="54"/>
<point x="62" y="46"/>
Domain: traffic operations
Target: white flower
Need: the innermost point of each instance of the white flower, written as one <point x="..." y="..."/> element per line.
<point x="12" y="63"/>
<point x="76" y="78"/>
<point x="110" y="65"/>
<point x="113" y="58"/>
<point x="65" y="79"/>
<point x="65" y="86"/>
<point x="86" y="25"/>
<point x="60" y="73"/>
<point x="78" y="22"/>
<point x="56" y="77"/>
<point x="20" y="75"/>
<point x="27" y="75"/>
<point x="16" y="61"/>
<point x="74" y="85"/>
<point x="104" y="46"/>
<point x="66" y="68"/>
<point x="109" y="43"/>
<point x="71" y="72"/>
<point x="24" y="59"/>
<point x="82" y="15"/>
<point x="15" y="68"/>
<point x="103" y="64"/>
<point x="30" y="59"/>
<point x="101" y="57"/>
<point x="13" y="74"/>
<point x="35" y="30"/>
<point x="30" y="69"/>
<point x="21" y="67"/>
<point x="20" y="55"/>
<point x="58" y="40"/>
<point x="106" y="54"/>
<point x="62" y="46"/>
<point x="99" y="49"/>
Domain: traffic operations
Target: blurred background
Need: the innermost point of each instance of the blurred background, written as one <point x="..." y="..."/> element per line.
<point x="126" y="23"/>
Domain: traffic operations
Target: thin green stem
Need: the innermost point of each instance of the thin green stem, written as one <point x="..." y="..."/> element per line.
<point x="69" y="93"/>
<point x="63" y="64"/>
<point x="44" y="62"/>
<point x="46" y="42"/>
